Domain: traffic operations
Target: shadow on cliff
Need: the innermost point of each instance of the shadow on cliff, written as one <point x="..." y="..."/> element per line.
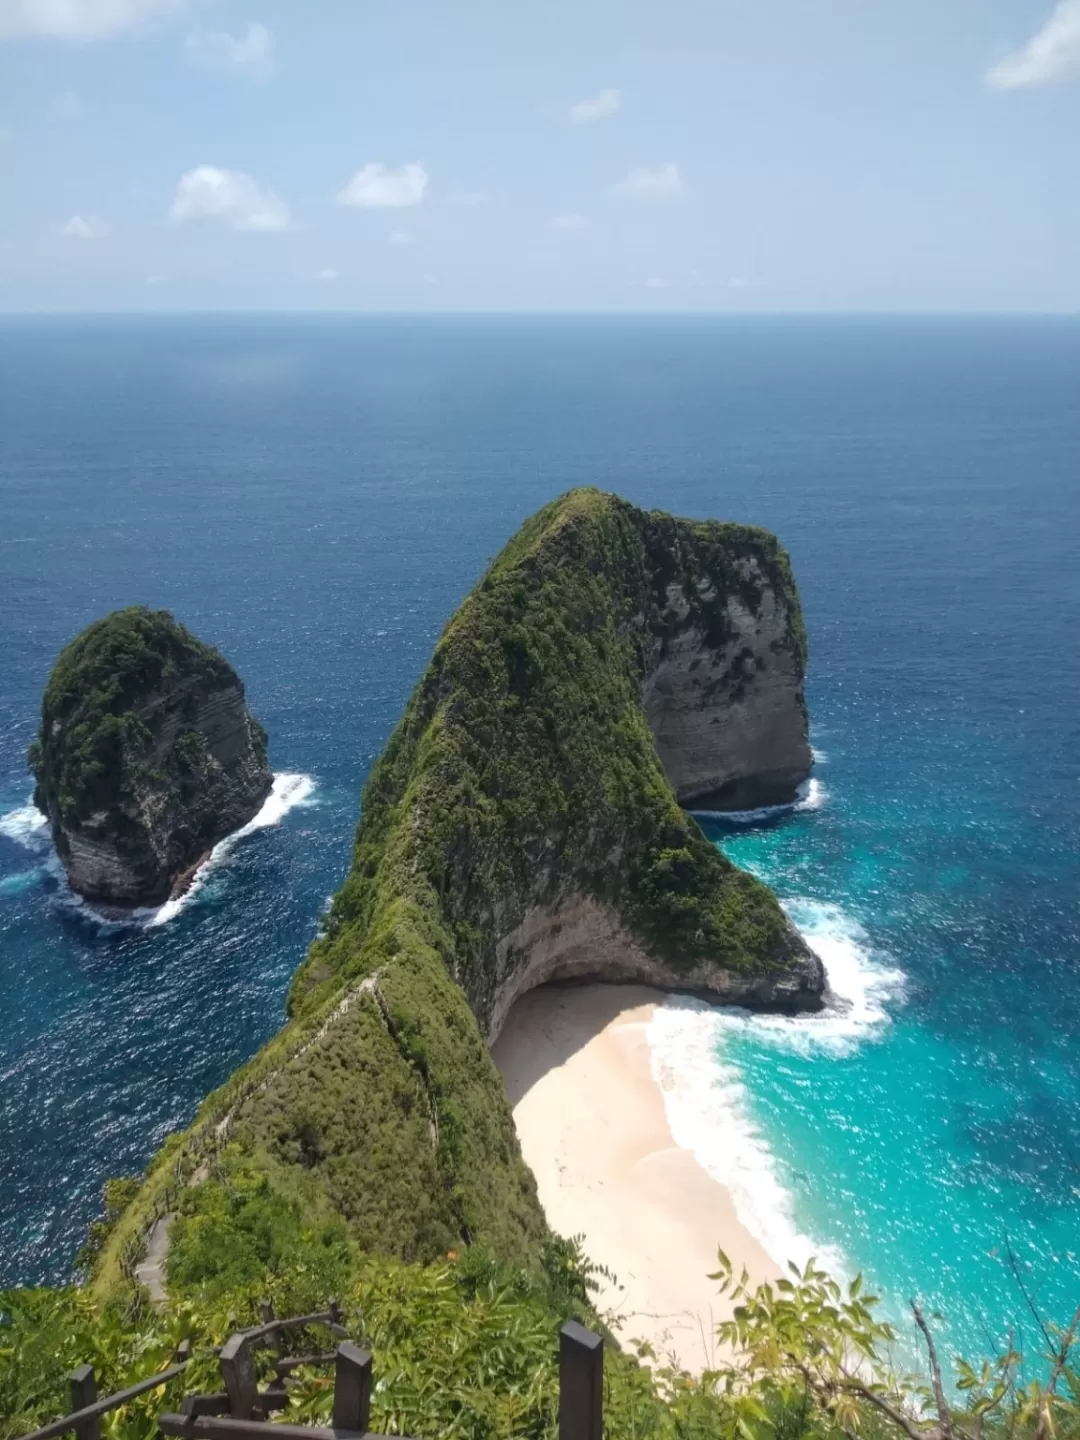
<point x="551" y="1023"/>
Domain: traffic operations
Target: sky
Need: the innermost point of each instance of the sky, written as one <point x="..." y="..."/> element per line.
<point x="698" y="155"/>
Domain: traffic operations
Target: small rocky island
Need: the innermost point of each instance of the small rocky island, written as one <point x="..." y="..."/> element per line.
<point x="147" y="757"/>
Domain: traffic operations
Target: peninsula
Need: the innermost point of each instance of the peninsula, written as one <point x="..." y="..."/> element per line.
<point x="523" y="825"/>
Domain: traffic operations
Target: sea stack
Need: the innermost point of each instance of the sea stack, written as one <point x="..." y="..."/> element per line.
<point x="147" y="757"/>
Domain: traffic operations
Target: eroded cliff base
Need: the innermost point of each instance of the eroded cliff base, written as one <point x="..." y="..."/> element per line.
<point x="583" y="941"/>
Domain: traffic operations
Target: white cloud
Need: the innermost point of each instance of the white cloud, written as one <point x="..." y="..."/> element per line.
<point x="65" y="106"/>
<point x="377" y="187"/>
<point x="1052" y="53"/>
<point x="327" y="274"/>
<point x="251" y="53"/>
<point x="651" y="184"/>
<point x="402" y="237"/>
<point x="655" y="282"/>
<point x="154" y="280"/>
<point x="598" y="107"/>
<point x="569" y="222"/>
<point x="85" y="227"/>
<point x="78" y="19"/>
<point x="209" y="193"/>
<point x="431" y="279"/>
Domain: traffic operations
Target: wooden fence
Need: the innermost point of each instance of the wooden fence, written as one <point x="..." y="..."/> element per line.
<point x="241" y="1410"/>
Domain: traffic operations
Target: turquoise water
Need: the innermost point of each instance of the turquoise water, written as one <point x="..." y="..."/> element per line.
<point x="928" y="1138"/>
<point x="316" y="495"/>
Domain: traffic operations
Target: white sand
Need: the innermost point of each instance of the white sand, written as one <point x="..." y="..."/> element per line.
<point x="591" y="1120"/>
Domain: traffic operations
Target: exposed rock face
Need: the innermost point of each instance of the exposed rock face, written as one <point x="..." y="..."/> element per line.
<point x="727" y="713"/>
<point x="147" y="757"/>
<point x="584" y="940"/>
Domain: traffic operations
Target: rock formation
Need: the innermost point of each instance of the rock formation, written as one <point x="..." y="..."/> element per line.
<point x="725" y="702"/>
<point x="523" y="825"/>
<point x="147" y="757"/>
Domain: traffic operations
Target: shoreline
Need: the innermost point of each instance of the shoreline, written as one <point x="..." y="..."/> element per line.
<point x="590" y="1115"/>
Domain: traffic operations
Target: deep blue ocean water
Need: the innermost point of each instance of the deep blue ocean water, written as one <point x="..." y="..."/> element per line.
<point x="316" y="495"/>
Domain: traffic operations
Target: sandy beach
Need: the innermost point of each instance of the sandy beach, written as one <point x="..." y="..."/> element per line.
<point x="591" y="1120"/>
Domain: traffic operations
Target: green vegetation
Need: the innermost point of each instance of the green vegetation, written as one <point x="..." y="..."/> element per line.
<point x="146" y="757"/>
<point x="524" y="767"/>
<point x="367" y="1153"/>
<point x="92" y="735"/>
<point x="522" y="771"/>
<point x="467" y="1348"/>
<point x="117" y="1195"/>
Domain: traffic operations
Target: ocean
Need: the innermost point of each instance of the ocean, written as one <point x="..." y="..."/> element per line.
<point x="316" y="495"/>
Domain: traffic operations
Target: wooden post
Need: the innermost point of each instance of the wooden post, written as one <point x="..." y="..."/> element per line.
<point x="277" y="1337"/>
<point x="83" y="1393"/>
<point x="337" y="1328"/>
<point x="238" y="1371"/>
<point x="352" y="1388"/>
<point x="581" y="1383"/>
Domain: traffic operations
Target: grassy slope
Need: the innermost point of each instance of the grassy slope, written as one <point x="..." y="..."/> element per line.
<point x="522" y="768"/>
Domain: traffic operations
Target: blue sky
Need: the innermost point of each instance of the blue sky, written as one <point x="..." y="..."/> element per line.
<point x="569" y="155"/>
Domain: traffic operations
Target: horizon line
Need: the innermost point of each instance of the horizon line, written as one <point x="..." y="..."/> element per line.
<point x="353" y="312"/>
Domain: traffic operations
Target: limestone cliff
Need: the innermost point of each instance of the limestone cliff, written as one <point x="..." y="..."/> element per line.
<point x="613" y="663"/>
<point x="723" y="682"/>
<point x="522" y="825"/>
<point x="146" y="757"/>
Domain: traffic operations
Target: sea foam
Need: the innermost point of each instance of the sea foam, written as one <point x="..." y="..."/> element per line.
<point x="30" y="829"/>
<point x="705" y="1096"/>
<point x="289" y="790"/>
<point x="27" y="826"/>
<point x="811" y="796"/>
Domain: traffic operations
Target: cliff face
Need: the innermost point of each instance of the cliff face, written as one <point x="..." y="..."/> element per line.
<point x="725" y="705"/>
<point x="147" y="756"/>
<point x="703" y="621"/>
<point x="612" y="663"/>
<point x="523" y="825"/>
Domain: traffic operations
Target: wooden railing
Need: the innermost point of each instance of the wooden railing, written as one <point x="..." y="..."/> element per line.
<point x="241" y="1410"/>
<point x="87" y="1410"/>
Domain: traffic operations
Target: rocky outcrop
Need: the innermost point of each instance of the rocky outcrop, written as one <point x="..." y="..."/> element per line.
<point x="726" y="705"/>
<point x="613" y="666"/>
<point x="581" y="939"/>
<point x="146" y="758"/>
<point x="523" y="825"/>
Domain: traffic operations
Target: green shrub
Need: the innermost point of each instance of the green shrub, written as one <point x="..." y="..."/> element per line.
<point x="466" y="1348"/>
<point x="88" y="715"/>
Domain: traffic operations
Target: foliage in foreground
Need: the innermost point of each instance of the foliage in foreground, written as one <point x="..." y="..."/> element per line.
<point x="466" y="1349"/>
<point x="811" y="1358"/>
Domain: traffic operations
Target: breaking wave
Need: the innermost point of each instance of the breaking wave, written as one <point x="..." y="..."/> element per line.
<point x="30" y="829"/>
<point x="27" y="826"/>
<point x="706" y="1098"/>
<point x="289" y="791"/>
<point x="812" y="795"/>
